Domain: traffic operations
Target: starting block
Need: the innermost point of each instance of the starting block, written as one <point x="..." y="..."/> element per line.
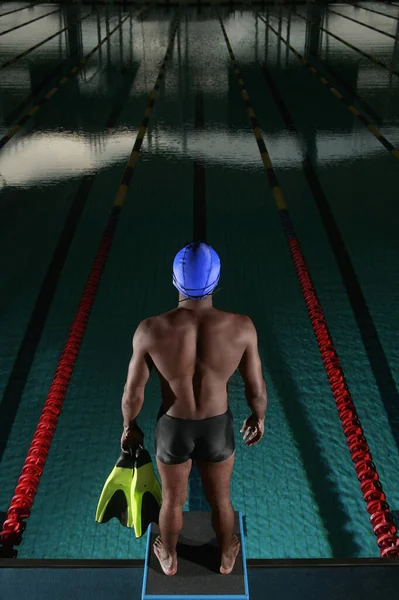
<point x="198" y="574"/>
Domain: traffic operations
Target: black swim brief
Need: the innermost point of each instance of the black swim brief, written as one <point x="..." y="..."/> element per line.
<point x="177" y="440"/>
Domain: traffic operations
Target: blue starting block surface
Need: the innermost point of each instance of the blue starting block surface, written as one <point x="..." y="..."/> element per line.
<point x="198" y="557"/>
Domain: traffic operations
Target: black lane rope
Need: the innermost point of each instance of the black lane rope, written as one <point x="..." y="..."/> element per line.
<point x="381" y="517"/>
<point x="41" y="85"/>
<point x="28" y="22"/>
<point x="29" y="50"/>
<point x="18" y="9"/>
<point x="7" y="137"/>
<point x="355" y="111"/>
<point x="351" y="92"/>
<point x="28" y="483"/>
<point x="360" y="23"/>
<point x="365" y="54"/>
<point x="377" y="12"/>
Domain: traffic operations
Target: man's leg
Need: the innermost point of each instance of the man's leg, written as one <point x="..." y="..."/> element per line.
<point x="216" y="481"/>
<point x="174" y="493"/>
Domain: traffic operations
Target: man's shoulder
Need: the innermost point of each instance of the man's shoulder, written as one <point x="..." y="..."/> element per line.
<point x="150" y="323"/>
<point x="237" y="316"/>
<point x="174" y="311"/>
<point x="241" y="320"/>
<point x="215" y="312"/>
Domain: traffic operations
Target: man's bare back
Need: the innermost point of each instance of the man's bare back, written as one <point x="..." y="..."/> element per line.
<point x="195" y="354"/>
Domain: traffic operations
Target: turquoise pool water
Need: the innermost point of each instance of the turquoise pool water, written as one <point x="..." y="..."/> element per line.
<point x="200" y="174"/>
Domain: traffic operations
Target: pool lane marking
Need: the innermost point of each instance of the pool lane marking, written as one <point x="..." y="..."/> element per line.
<point x="199" y="235"/>
<point x="14" y="525"/>
<point x="374" y="349"/>
<point x="329" y="354"/>
<point x="12" y="395"/>
<point x="29" y="50"/>
<point x="364" y="24"/>
<point x="36" y="107"/>
<point x="355" y="111"/>
<point x="199" y="211"/>
<point x="28" y="22"/>
<point x="368" y="56"/>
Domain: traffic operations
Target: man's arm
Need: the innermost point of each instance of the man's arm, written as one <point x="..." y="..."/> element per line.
<point x="137" y="377"/>
<point x="250" y="369"/>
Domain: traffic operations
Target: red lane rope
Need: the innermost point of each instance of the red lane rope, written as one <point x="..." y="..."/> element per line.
<point x="380" y="515"/>
<point x="28" y="482"/>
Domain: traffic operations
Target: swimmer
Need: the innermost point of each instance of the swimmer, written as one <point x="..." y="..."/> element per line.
<point x="195" y="349"/>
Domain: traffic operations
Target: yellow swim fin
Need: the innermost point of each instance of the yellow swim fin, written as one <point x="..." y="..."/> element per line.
<point x="115" y="499"/>
<point x="146" y="493"/>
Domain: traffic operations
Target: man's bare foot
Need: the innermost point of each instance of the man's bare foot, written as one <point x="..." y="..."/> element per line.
<point x="229" y="559"/>
<point x="168" y="562"/>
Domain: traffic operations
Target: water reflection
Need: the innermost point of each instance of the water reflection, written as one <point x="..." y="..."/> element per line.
<point x="50" y="157"/>
<point x="53" y="154"/>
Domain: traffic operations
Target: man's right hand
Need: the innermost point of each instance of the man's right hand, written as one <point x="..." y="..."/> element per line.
<point x="254" y="429"/>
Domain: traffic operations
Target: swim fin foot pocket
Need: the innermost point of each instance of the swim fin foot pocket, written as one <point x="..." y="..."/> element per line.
<point x="132" y="492"/>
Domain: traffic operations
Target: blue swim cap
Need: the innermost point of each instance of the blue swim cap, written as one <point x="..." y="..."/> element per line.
<point x="196" y="270"/>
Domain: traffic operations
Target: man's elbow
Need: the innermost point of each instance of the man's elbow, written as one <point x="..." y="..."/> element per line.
<point x="131" y="396"/>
